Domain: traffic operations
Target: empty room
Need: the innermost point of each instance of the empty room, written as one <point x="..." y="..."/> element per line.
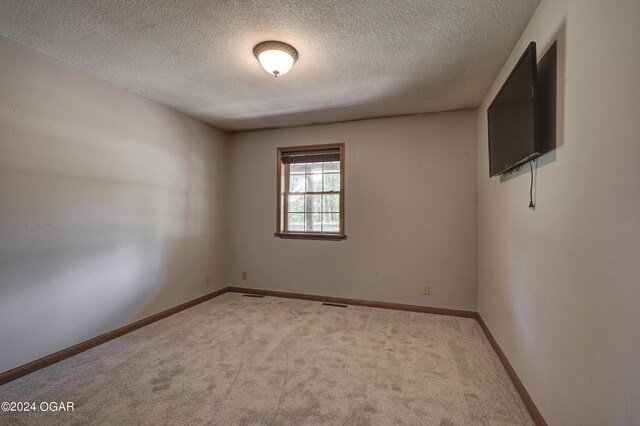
<point x="302" y="212"/>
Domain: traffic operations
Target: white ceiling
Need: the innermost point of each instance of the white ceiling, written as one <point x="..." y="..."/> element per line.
<point x="358" y="59"/>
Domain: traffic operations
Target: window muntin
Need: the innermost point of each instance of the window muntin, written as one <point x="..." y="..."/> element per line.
<point x="311" y="191"/>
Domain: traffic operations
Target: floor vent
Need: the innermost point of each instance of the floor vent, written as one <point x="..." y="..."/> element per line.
<point x="336" y="305"/>
<point x="257" y="296"/>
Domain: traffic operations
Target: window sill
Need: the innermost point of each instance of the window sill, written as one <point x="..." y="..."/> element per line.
<point x="310" y="236"/>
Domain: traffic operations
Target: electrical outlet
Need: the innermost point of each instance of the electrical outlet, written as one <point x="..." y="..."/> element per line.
<point x="426" y="289"/>
<point x="208" y="279"/>
<point x="244" y="275"/>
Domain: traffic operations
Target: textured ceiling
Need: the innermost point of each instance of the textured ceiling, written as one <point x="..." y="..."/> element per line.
<point x="358" y="59"/>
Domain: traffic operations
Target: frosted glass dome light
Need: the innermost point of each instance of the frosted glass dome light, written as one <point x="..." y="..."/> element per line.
<point x="276" y="57"/>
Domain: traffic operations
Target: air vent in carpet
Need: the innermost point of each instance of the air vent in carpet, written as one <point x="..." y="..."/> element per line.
<point x="258" y="296"/>
<point x="337" y="305"/>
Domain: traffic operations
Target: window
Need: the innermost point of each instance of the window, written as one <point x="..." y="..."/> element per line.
<point x="311" y="192"/>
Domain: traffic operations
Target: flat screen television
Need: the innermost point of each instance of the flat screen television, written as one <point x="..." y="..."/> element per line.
<point x="513" y="116"/>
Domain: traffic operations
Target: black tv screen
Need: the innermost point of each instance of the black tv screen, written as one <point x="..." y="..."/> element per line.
<point x="513" y="117"/>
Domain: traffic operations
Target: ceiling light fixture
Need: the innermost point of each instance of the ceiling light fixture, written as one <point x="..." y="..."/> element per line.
<point x="276" y="57"/>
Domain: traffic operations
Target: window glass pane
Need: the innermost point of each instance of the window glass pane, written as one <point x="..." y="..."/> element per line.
<point x="333" y="166"/>
<point x="314" y="222"/>
<point x="330" y="222"/>
<point x="296" y="203"/>
<point x="296" y="222"/>
<point x="331" y="182"/>
<point x="314" y="167"/>
<point x="314" y="183"/>
<point x="313" y="203"/>
<point x="331" y="203"/>
<point x="296" y="169"/>
<point x="296" y="183"/>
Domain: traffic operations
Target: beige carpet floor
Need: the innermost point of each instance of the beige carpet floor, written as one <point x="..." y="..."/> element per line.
<point x="243" y="361"/>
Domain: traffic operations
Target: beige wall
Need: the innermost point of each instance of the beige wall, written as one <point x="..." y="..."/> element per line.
<point x="111" y="206"/>
<point x="560" y="287"/>
<point x="410" y="213"/>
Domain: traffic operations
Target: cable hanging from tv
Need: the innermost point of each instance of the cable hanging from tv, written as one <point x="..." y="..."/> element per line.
<point x="532" y="205"/>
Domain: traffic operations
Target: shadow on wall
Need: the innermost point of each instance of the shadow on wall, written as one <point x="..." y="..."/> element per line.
<point x="551" y="74"/>
<point x="96" y="233"/>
